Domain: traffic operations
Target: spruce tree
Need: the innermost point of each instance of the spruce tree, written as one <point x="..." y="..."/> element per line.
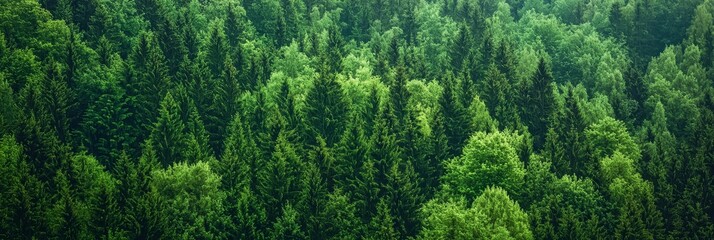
<point x="287" y="226"/>
<point x="312" y="202"/>
<point x="384" y="147"/>
<point x="325" y="110"/>
<point x="280" y="183"/>
<point x="366" y="192"/>
<point x="168" y="135"/>
<point x="350" y="152"/>
<point x="456" y="124"/>
<point x="538" y="103"/>
<point x="146" y="82"/>
<point x="402" y="189"/>
<point x="382" y="224"/>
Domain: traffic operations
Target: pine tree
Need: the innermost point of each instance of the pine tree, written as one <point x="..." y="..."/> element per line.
<point x="431" y="168"/>
<point x="566" y="143"/>
<point x="538" y="103"/>
<point x="45" y="151"/>
<point x="168" y="136"/>
<point x="146" y="84"/>
<point x="313" y="198"/>
<point x="384" y="147"/>
<point x="366" y="191"/>
<point x="9" y="108"/>
<point x="350" y="152"/>
<point x="325" y="110"/>
<point x="69" y="218"/>
<point x="287" y="226"/>
<point x="461" y="48"/>
<point x="249" y="220"/>
<point x="217" y="51"/>
<point x="172" y="44"/>
<point x="150" y="220"/>
<point x="456" y="124"/>
<point x="292" y="20"/>
<point x="280" y="183"/>
<point x="236" y="25"/>
<point x="241" y="163"/>
<point x="105" y="213"/>
<point x="505" y="60"/>
<point x="104" y="127"/>
<point x="199" y="148"/>
<point x="333" y="52"/>
<point x="398" y="93"/>
<point x="637" y="91"/>
<point x="224" y="105"/>
<point x="58" y="100"/>
<point x="405" y="198"/>
<point x="125" y="172"/>
<point x="382" y="224"/>
<point x="23" y="205"/>
<point x="496" y="92"/>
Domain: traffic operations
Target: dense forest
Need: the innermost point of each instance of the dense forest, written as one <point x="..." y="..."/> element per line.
<point x="356" y="119"/>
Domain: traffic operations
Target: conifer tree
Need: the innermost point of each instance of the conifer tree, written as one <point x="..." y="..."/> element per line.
<point x="325" y="110"/>
<point x="313" y="199"/>
<point x="403" y="191"/>
<point x="249" y="220"/>
<point x="342" y="221"/>
<point x="23" y="204"/>
<point x="168" y="135"/>
<point x="217" y="51"/>
<point x="146" y="83"/>
<point x="280" y="183"/>
<point x="539" y="103"/>
<point x="350" y="152"/>
<point x="456" y="125"/>
<point x="496" y="92"/>
<point x="399" y="95"/>
<point x="382" y="224"/>
<point x="69" y="217"/>
<point x="384" y="147"/>
<point x="104" y="127"/>
<point x="461" y="48"/>
<point x="287" y="226"/>
<point x="366" y="192"/>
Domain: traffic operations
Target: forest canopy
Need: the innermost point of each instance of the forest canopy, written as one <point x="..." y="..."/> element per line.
<point x="356" y="119"/>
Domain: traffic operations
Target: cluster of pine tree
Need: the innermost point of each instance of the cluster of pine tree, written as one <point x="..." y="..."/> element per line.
<point x="356" y="119"/>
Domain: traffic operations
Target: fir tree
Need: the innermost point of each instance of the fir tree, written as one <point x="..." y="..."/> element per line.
<point x="168" y="136"/>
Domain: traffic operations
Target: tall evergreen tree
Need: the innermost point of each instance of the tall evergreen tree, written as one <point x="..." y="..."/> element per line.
<point x="382" y="224"/>
<point x="168" y="135"/>
<point x="384" y="147"/>
<point x="280" y="183"/>
<point x="496" y="92"/>
<point x="325" y="110"/>
<point x="366" y="192"/>
<point x="312" y="203"/>
<point x="146" y="83"/>
<point x="287" y="226"/>
<point x="539" y="103"/>
<point x="405" y="198"/>
<point x="456" y="124"/>
<point x="350" y="152"/>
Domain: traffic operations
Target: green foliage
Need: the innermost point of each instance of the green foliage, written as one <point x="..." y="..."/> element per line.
<point x="24" y="203"/>
<point x="492" y="214"/>
<point x="539" y="103"/>
<point x="167" y="136"/>
<point x="325" y="110"/>
<point x="356" y="119"/>
<point x="489" y="159"/>
<point x="608" y="136"/>
<point x="193" y="200"/>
